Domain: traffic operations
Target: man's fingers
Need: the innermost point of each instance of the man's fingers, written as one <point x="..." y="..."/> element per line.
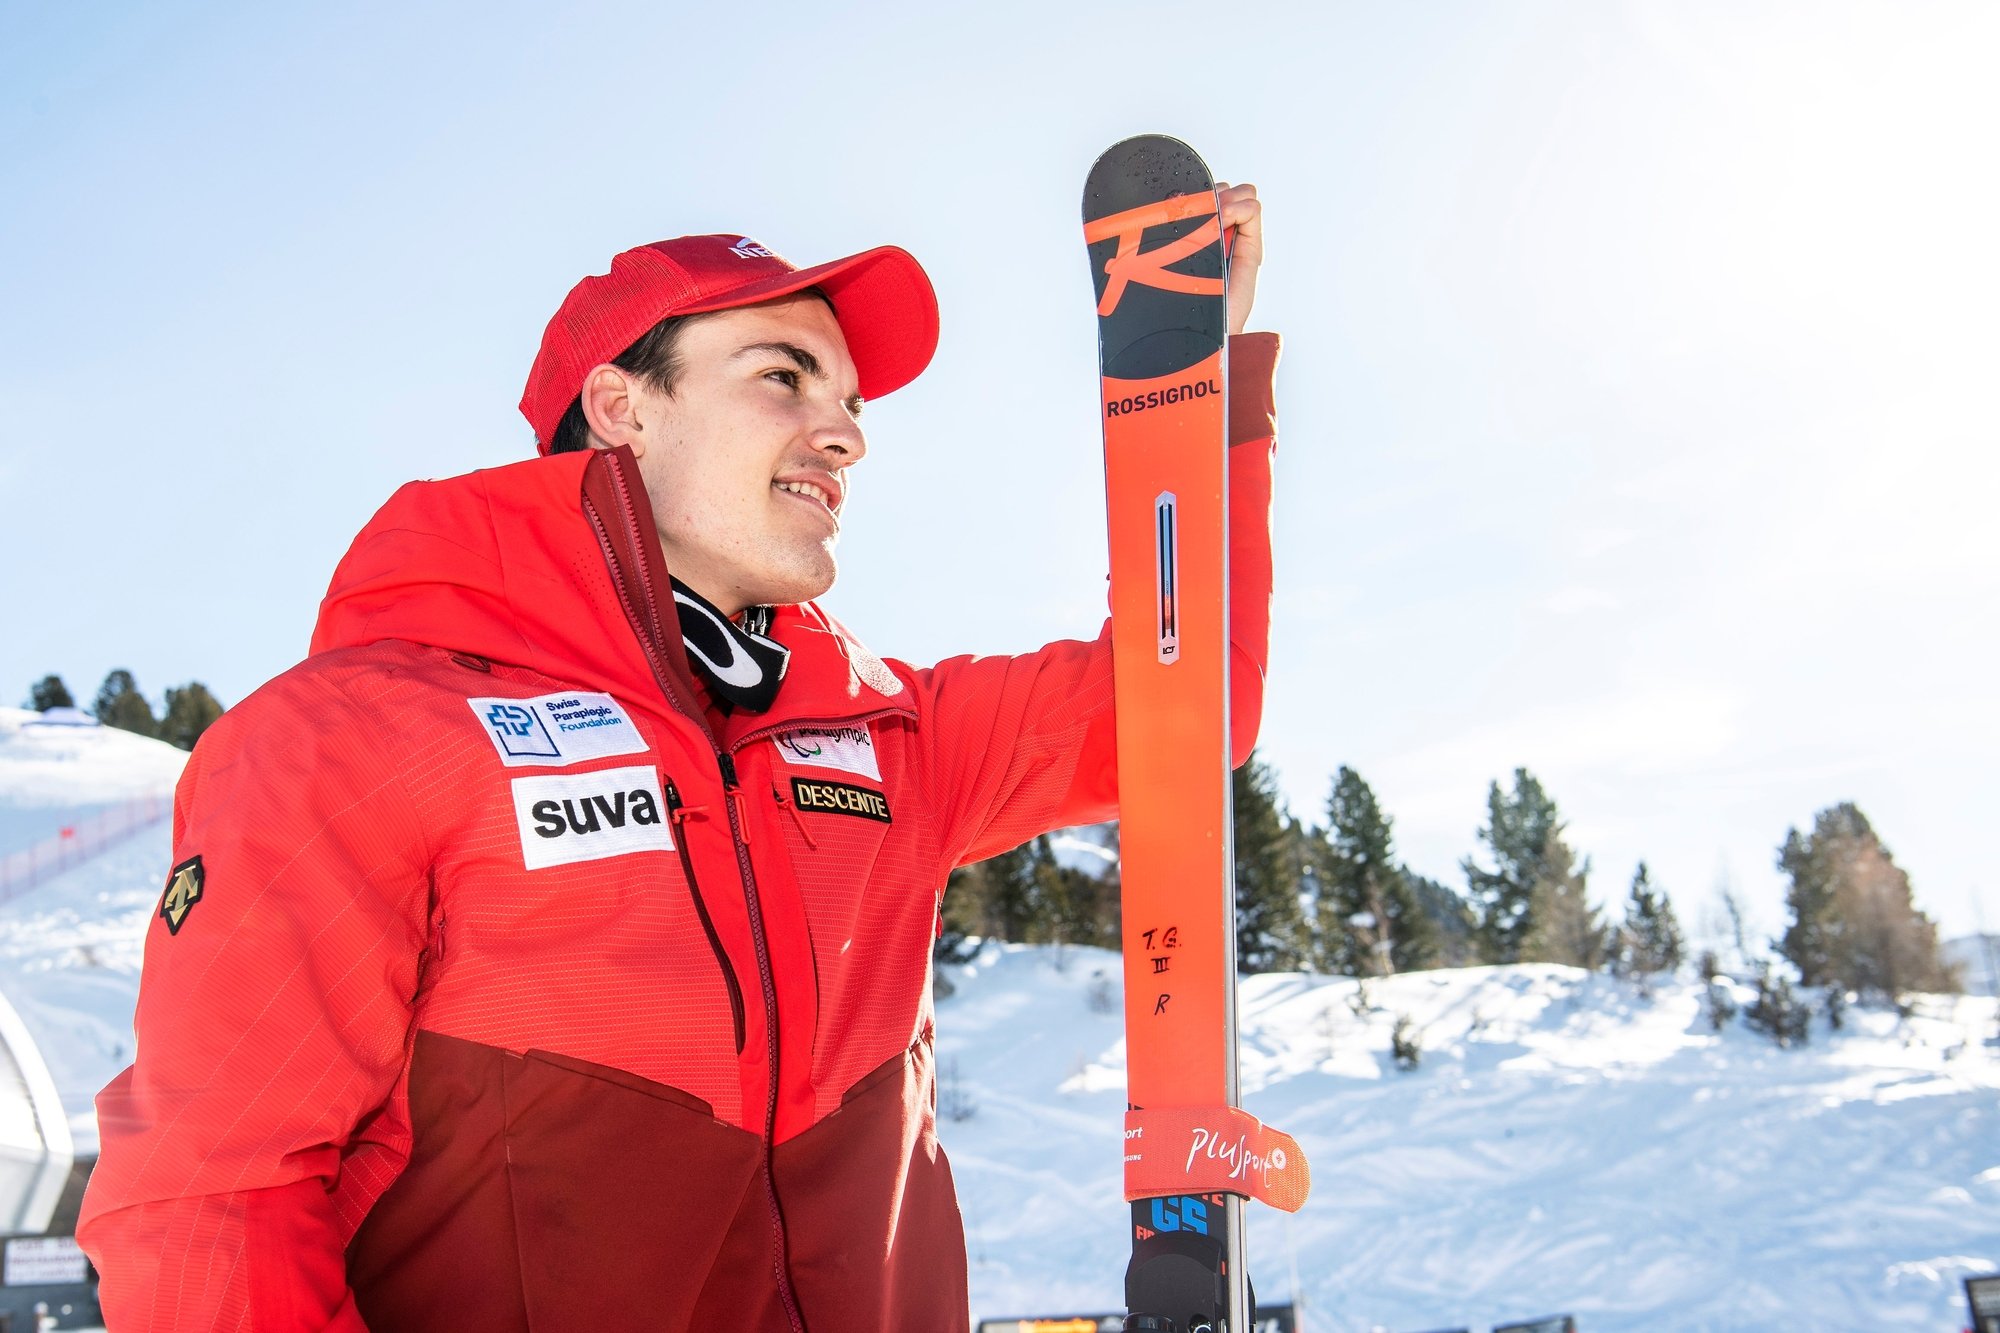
<point x="1235" y="198"/>
<point x="1240" y="211"/>
<point x="1242" y="216"/>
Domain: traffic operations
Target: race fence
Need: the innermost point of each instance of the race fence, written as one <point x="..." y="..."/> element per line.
<point x="76" y="842"/>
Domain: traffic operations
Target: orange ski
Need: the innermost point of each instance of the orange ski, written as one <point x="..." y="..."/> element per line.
<point x="1157" y="256"/>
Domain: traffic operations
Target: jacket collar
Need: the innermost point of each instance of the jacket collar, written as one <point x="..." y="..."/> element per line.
<point x="555" y="565"/>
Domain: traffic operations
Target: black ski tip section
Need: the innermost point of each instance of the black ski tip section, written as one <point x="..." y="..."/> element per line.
<point x="1151" y="331"/>
<point x="1140" y="170"/>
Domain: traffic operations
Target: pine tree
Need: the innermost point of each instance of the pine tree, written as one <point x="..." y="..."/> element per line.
<point x="997" y="895"/>
<point x="191" y="709"/>
<point x="49" y="692"/>
<point x="1270" y="926"/>
<point x="1026" y="896"/>
<point x="961" y="917"/>
<point x="1777" y="1011"/>
<point x="1370" y="922"/>
<point x="1520" y="830"/>
<point x="1452" y="924"/>
<point x="1652" y="933"/>
<point x="1854" y="922"/>
<point x="119" y="704"/>
<point x="1562" y="926"/>
<point x="1076" y="907"/>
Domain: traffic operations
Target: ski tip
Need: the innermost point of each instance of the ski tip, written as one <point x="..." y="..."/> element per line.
<point x="1145" y="166"/>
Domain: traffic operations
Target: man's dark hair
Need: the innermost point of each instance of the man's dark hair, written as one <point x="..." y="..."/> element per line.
<point x="655" y="359"/>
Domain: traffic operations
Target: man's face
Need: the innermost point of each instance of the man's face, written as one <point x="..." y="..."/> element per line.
<point x="746" y="462"/>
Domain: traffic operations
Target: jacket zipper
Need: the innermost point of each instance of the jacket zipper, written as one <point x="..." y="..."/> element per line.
<point x="733" y="789"/>
<point x="780" y="1248"/>
<point x="679" y="814"/>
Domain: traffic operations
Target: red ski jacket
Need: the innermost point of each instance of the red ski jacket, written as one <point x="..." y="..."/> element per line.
<point x="500" y="986"/>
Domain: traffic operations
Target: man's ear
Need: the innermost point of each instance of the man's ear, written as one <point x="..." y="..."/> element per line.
<point x="611" y="407"/>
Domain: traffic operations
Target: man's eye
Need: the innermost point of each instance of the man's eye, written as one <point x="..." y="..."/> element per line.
<point x="788" y="378"/>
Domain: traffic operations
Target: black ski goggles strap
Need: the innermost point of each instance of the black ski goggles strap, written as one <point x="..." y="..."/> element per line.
<point x="741" y="667"/>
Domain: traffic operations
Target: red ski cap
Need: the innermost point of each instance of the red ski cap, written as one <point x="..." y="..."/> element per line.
<point x="882" y="298"/>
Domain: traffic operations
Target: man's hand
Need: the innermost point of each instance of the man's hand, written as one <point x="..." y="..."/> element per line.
<point x="1243" y="230"/>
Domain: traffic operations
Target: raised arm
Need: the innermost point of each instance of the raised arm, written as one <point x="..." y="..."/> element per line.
<point x="1016" y="746"/>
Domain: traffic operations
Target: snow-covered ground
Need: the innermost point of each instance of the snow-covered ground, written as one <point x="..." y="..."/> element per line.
<point x="69" y="962"/>
<point x="1977" y="958"/>
<point x="1566" y="1143"/>
<point x="52" y="776"/>
<point x="70" y="946"/>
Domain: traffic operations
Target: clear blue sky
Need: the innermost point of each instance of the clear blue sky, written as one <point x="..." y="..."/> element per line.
<point x="1637" y="401"/>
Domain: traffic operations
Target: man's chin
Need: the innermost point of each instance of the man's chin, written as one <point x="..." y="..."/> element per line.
<point x="792" y="591"/>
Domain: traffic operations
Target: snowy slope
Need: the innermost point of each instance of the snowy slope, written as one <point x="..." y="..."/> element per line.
<point x="1091" y="848"/>
<point x="51" y="776"/>
<point x="1977" y="958"/>
<point x="1565" y="1145"/>
<point x="69" y="961"/>
<point x="70" y="946"/>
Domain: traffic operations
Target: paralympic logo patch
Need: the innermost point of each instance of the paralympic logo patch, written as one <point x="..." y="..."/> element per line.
<point x="846" y="749"/>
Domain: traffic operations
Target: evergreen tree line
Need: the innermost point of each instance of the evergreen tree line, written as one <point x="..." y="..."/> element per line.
<point x="190" y="708"/>
<point x="1336" y="898"/>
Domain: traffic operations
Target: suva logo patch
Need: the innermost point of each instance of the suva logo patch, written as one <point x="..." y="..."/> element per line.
<point x="557" y="730"/>
<point x="589" y="816"/>
<point x="849" y="749"/>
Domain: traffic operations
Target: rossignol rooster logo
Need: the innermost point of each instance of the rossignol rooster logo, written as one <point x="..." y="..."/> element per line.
<point x="1150" y="268"/>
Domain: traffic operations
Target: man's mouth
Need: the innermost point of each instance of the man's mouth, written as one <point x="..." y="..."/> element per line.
<point x="825" y="498"/>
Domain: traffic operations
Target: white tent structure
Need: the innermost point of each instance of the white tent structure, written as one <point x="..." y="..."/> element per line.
<point x="36" y="1151"/>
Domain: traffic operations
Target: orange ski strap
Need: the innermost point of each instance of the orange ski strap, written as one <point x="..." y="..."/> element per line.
<point x="1212" y="1149"/>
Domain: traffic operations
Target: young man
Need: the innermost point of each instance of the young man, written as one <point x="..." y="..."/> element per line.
<point x="550" y="949"/>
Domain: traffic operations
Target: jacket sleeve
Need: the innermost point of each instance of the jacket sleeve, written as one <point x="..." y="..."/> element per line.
<point x="1016" y="746"/>
<point x="259" y="1120"/>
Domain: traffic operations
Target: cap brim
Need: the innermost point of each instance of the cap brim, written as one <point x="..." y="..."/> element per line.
<point x="883" y="299"/>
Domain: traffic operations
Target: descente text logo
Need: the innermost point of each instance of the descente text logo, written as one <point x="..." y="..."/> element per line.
<point x="840" y="798"/>
<point x="588" y="816"/>
<point x="1179" y="393"/>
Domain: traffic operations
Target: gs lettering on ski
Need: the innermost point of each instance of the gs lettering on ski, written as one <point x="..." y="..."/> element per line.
<point x="589" y="816"/>
<point x="1179" y="393"/>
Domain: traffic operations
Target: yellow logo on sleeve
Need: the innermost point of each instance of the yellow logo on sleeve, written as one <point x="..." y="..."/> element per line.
<point x="183" y="892"/>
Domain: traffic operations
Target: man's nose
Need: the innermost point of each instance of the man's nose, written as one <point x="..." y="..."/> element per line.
<point x="842" y="438"/>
